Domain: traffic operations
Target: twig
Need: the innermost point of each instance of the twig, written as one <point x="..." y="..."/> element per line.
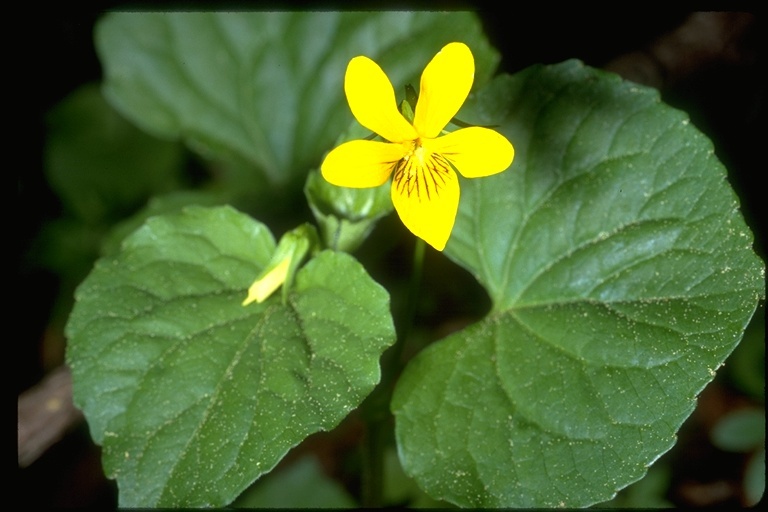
<point x="46" y="414"/>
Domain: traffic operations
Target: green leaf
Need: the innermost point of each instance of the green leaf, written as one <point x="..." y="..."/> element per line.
<point x="400" y="490"/>
<point x="746" y="367"/>
<point x="158" y="205"/>
<point x="265" y="88"/>
<point x="192" y="395"/>
<point x="742" y="430"/>
<point x="648" y="492"/>
<point x="309" y="488"/>
<point x="754" y="479"/>
<point x="99" y="164"/>
<point x="621" y="276"/>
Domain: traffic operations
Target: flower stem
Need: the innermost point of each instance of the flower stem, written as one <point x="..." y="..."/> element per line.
<point x="375" y="409"/>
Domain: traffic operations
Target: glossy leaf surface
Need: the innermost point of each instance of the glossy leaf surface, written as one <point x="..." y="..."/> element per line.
<point x="621" y="276"/>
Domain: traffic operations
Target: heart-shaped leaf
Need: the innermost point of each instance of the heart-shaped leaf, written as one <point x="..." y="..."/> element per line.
<point x="192" y="395"/>
<point x="621" y="275"/>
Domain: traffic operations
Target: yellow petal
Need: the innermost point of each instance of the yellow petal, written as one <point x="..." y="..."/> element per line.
<point x="426" y="197"/>
<point x="475" y="151"/>
<point x="445" y="84"/>
<point x="262" y="288"/>
<point x="372" y="101"/>
<point x="361" y="163"/>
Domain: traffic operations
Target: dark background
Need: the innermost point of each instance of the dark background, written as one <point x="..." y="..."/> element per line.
<point x="724" y="98"/>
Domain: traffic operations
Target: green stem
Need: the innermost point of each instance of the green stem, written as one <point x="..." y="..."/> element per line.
<point x="409" y="314"/>
<point x="375" y="409"/>
<point x="373" y="463"/>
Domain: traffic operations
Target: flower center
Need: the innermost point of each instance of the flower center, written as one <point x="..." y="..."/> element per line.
<point x="420" y="172"/>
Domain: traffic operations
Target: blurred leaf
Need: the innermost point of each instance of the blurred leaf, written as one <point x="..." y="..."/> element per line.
<point x="740" y="431"/>
<point x="101" y="166"/>
<point x="401" y="490"/>
<point x="648" y="492"/>
<point x="68" y="247"/>
<point x="301" y="485"/>
<point x="265" y="88"/>
<point x="621" y="275"/>
<point x="193" y="396"/>
<point x="746" y="367"/>
<point x="754" y="479"/>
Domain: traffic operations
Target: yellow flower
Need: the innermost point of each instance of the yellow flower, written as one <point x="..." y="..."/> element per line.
<point x="270" y="281"/>
<point x="422" y="163"/>
<point x="289" y="254"/>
